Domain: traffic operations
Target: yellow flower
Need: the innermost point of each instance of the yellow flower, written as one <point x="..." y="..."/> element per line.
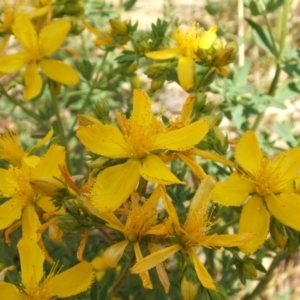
<point x="140" y="222"/>
<point x="36" y="286"/>
<point x="12" y="151"/>
<point x="103" y="38"/>
<point x="136" y="139"/>
<point x="16" y="185"/>
<point x="193" y="234"/>
<point x="185" y="119"/>
<point x="10" y="12"/>
<point x="187" y="44"/>
<point x="37" y="46"/>
<point x="265" y="186"/>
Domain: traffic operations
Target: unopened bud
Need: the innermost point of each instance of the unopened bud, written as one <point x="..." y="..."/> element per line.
<point x="189" y="284"/>
<point x="249" y="269"/>
<point x="156" y="84"/>
<point x="55" y="87"/>
<point x="280" y="238"/>
<point x="189" y="288"/>
<point x="135" y="82"/>
<point x="118" y="27"/>
<point x="220" y="136"/>
<point x="98" y="163"/>
<point x="49" y="186"/>
<point x="55" y="232"/>
<point x="86" y="120"/>
<point x="131" y="69"/>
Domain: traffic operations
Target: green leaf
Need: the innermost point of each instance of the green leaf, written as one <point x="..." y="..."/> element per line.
<point x="285" y="132"/>
<point x="273" y="5"/>
<point x="262" y="37"/>
<point x="129" y="4"/>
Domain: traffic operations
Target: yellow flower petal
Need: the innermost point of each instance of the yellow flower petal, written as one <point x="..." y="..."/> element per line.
<point x="203" y="194"/>
<point x="72" y="281"/>
<point x="92" y="29"/>
<point x="208" y="38"/>
<point x="30" y="223"/>
<point x="11" y="292"/>
<point x="33" y="81"/>
<point x="8" y="183"/>
<point x="38" y="12"/>
<point x="41" y="142"/>
<point x="194" y="167"/>
<point x="154" y="170"/>
<point x="147" y="284"/>
<point x="25" y="33"/>
<point x="31" y="160"/>
<point x="234" y="192"/>
<point x="106" y="140"/>
<point x="226" y="240"/>
<point x="115" y="184"/>
<point x="113" y="254"/>
<point x="12" y="63"/>
<point x="287" y="165"/>
<point x="186" y="72"/>
<point x="111" y="221"/>
<point x="254" y="219"/>
<point x="160" y="269"/>
<point x="141" y="112"/>
<point x="159" y="229"/>
<point x="248" y="153"/>
<point x="163" y="54"/>
<point x="182" y="139"/>
<point x="48" y="165"/>
<point x="170" y="207"/>
<point x="10" y="147"/>
<point x="52" y="36"/>
<point x="203" y="276"/>
<point x="10" y="211"/>
<point x="59" y="71"/>
<point x="286" y="208"/>
<point x="32" y="260"/>
<point x="154" y="259"/>
<point x="213" y="156"/>
<point x="187" y="108"/>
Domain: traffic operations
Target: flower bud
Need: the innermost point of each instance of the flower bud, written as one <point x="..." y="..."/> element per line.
<point x="55" y="232"/>
<point x="279" y="238"/>
<point x="86" y="120"/>
<point x="249" y="269"/>
<point x="118" y="27"/>
<point x="99" y="163"/>
<point x="49" y="186"/>
<point x="189" y="284"/>
<point x="135" y="82"/>
<point x="156" y="84"/>
<point x="131" y="69"/>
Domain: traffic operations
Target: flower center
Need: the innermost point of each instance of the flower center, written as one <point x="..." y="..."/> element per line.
<point x="138" y="221"/>
<point x="42" y="292"/>
<point x="265" y="179"/>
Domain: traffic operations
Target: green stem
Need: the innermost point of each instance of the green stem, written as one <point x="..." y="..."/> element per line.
<point x="26" y="110"/>
<point x="261" y="287"/>
<point x="198" y="85"/>
<point x="113" y="290"/>
<point x="272" y="89"/>
<point x="93" y="86"/>
<point x="271" y="92"/>
<point x="62" y="137"/>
